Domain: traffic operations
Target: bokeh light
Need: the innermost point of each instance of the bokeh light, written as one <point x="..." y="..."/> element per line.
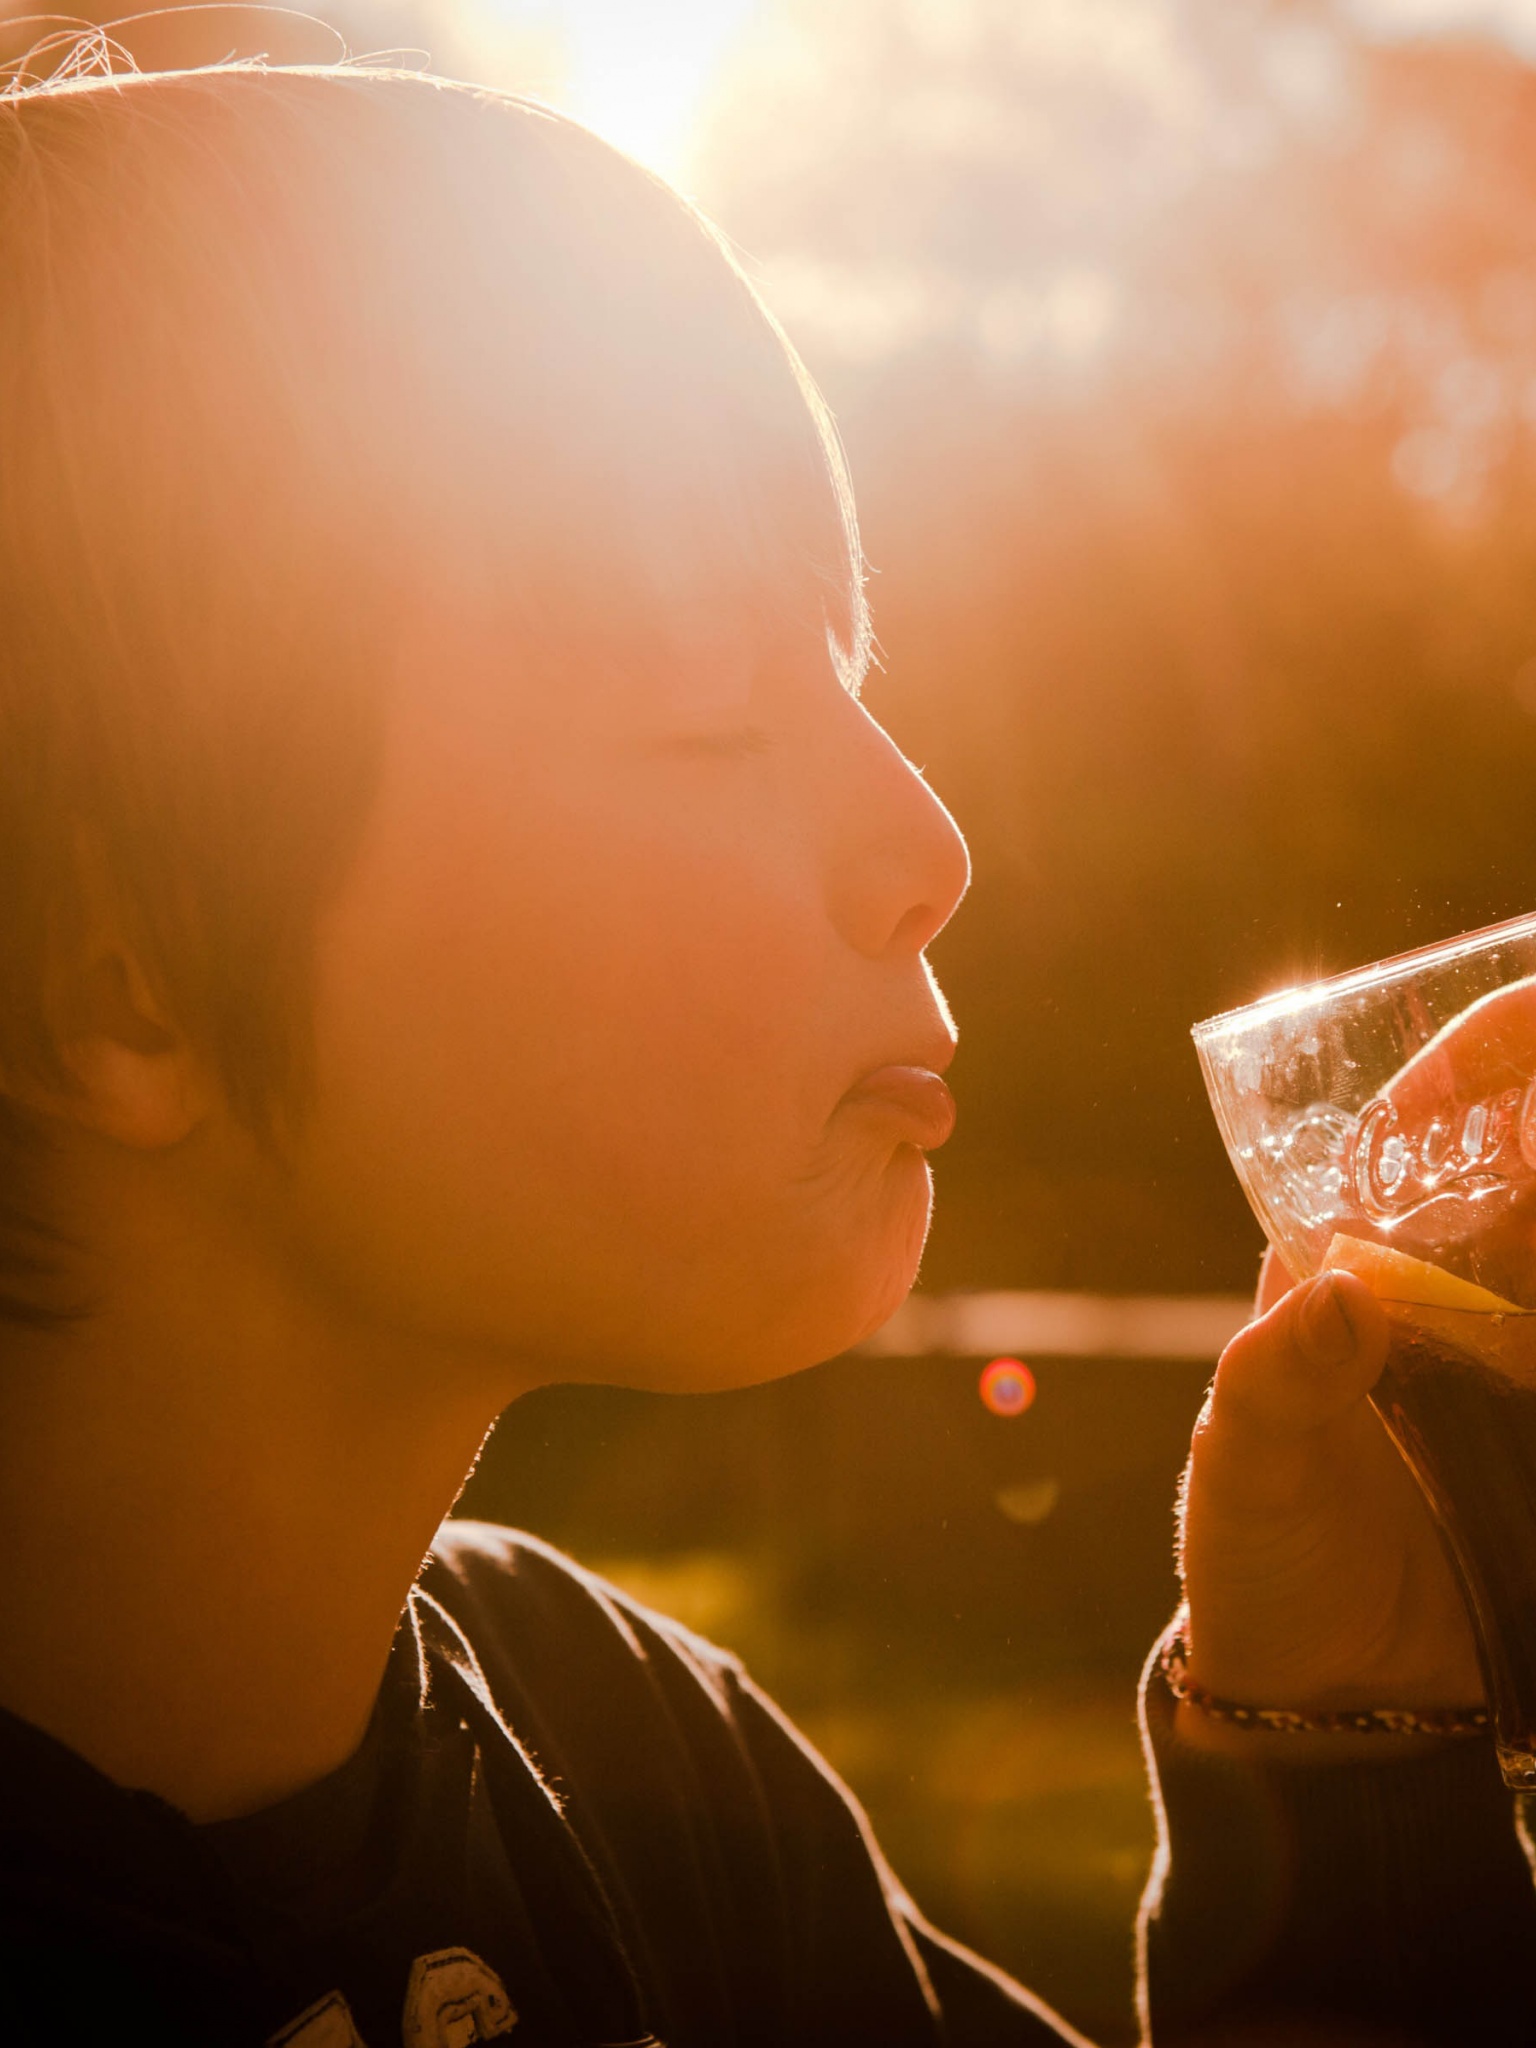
<point x="1007" y="1386"/>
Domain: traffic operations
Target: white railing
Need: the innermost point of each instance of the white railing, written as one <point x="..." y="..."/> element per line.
<point x="1189" y="1326"/>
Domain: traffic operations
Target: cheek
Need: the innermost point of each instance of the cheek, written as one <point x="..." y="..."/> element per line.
<point x="570" y="1033"/>
<point x="667" y="986"/>
<point x="578" y="1048"/>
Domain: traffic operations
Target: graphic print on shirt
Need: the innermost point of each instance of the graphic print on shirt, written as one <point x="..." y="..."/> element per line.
<point x="454" y="2000"/>
<point x="326" y="2024"/>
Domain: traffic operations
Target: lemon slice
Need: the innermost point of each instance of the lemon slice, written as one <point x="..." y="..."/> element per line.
<point x="1394" y="1276"/>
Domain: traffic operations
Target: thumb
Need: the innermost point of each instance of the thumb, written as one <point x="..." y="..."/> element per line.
<point x="1312" y="1358"/>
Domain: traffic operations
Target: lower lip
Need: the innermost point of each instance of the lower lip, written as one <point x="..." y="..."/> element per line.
<point x="913" y="1098"/>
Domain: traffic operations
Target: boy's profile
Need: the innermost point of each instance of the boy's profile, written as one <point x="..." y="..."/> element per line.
<point x="461" y="930"/>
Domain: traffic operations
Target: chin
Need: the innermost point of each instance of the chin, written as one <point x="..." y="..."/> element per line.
<point x="776" y="1300"/>
<point x="854" y="1281"/>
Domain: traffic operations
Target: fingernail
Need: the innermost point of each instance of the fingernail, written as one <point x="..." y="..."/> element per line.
<point x="1326" y="1330"/>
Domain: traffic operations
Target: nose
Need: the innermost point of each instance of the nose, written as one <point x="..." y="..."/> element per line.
<point x="900" y="866"/>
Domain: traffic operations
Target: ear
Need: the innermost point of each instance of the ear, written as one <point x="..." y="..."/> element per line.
<point x="132" y="1075"/>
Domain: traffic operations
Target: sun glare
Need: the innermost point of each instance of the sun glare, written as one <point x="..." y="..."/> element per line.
<point x="637" y="74"/>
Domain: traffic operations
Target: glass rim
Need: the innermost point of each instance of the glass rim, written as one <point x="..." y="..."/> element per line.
<point x="1286" y="1002"/>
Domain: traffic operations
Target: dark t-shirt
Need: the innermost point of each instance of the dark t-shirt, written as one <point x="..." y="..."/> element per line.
<point x="571" y="1822"/>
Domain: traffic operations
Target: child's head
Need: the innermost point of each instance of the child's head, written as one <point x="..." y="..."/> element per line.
<point x="434" y="819"/>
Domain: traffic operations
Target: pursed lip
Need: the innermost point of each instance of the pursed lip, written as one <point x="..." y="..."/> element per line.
<point x="913" y="1099"/>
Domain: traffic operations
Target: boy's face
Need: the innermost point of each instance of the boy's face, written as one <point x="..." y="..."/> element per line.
<point x="594" y="1007"/>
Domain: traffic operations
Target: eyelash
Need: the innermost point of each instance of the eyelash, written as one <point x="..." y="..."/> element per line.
<point x="734" y="745"/>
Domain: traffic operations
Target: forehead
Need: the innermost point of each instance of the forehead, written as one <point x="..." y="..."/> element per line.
<point x="649" y="534"/>
<point x="611" y="429"/>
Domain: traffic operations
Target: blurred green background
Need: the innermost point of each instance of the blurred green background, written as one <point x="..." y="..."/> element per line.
<point x="1185" y="351"/>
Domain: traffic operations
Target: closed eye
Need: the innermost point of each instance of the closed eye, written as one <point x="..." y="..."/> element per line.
<point x="733" y="743"/>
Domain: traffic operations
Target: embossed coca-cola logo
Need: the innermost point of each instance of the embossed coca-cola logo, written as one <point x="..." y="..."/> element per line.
<point x="1394" y="1169"/>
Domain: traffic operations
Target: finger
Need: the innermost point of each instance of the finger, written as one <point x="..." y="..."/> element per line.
<point x="1311" y="1359"/>
<point x="1489" y="1047"/>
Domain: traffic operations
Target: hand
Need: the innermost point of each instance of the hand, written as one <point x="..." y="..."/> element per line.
<point x="1314" y="1572"/>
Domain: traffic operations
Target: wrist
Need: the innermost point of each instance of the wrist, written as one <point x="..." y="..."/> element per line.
<point x="1198" y="1732"/>
<point x="1219" y="1725"/>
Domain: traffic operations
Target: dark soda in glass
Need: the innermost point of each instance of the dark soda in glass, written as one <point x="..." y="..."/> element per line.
<point x="1458" y="1395"/>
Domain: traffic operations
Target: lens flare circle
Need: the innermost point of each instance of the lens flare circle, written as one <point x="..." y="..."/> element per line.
<point x="1006" y="1386"/>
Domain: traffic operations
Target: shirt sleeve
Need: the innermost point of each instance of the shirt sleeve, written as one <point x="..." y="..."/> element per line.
<point x="853" y="1925"/>
<point x="1385" y="1905"/>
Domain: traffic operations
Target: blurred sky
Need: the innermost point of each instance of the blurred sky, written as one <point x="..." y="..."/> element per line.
<point x="1513" y="21"/>
<point x="642" y="71"/>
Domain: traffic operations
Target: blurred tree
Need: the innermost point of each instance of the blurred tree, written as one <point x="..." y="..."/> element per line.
<point x="1187" y="356"/>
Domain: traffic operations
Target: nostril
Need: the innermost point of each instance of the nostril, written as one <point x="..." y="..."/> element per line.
<point x="916" y="927"/>
<point x="900" y="865"/>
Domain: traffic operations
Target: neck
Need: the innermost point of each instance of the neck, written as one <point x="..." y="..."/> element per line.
<point x="213" y="1503"/>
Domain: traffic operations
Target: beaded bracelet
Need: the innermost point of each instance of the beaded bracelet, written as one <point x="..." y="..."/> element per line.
<point x="1172" y="1658"/>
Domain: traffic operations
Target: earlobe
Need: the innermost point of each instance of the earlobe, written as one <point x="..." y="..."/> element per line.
<point x="149" y="1101"/>
<point x="133" y="1077"/>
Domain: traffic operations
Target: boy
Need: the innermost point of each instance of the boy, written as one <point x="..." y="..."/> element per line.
<point x="463" y="931"/>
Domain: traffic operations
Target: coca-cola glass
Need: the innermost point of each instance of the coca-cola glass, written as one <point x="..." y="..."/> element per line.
<point x="1385" y="1121"/>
